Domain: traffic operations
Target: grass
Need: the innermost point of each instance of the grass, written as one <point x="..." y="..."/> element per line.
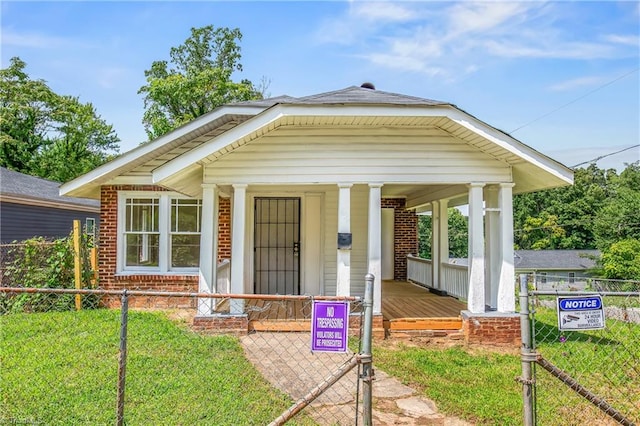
<point x="478" y="386"/>
<point x="62" y="367"/>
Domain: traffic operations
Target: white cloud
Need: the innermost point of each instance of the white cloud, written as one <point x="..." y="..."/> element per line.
<point x="577" y="83"/>
<point x="631" y="40"/>
<point x="382" y="12"/>
<point x="37" y="40"/>
<point x="454" y="39"/>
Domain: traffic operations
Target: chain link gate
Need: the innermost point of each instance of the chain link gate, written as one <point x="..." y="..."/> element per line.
<point x="132" y="357"/>
<point x="580" y="376"/>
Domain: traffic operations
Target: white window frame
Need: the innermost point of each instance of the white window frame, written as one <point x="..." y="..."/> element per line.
<point x="164" y="228"/>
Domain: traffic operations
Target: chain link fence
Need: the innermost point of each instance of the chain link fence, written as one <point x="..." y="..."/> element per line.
<point x="145" y="357"/>
<point x="579" y="375"/>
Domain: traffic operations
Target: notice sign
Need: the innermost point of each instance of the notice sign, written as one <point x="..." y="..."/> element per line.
<point x="330" y="322"/>
<point x="580" y="313"/>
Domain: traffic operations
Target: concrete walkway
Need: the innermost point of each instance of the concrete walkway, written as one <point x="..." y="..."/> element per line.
<point x="286" y="361"/>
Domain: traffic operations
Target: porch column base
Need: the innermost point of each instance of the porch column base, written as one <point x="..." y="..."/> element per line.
<point x="494" y="328"/>
<point x="237" y="325"/>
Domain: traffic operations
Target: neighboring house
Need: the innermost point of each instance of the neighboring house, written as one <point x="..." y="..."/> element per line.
<point x="553" y="269"/>
<point x="33" y="207"/>
<point x="557" y="269"/>
<point x="306" y="195"/>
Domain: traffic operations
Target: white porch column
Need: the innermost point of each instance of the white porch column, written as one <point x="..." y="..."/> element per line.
<point x="439" y="241"/>
<point x="237" y="246"/>
<point x="475" y="302"/>
<point x="375" y="244"/>
<point x="208" y="248"/>
<point x="506" y="285"/>
<point x="343" y="285"/>
<point x="492" y="252"/>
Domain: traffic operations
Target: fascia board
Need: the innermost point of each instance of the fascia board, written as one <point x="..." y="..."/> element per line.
<point x="512" y="145"/>
<point x="142" y="150"/>
<point x="339" y="110"/>
<point x="219" y="142"/>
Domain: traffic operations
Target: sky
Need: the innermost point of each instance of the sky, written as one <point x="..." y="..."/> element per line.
<point x="562" y="77"/>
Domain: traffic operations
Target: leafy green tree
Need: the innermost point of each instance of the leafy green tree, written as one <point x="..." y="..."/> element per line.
<point x="458" y="234"/>
<point x="622" y="260"/>
<point x="49" y="135"/>
<point x="198" y="80"/>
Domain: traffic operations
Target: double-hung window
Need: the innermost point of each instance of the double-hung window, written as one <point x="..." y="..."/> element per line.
<point x="158" y="232"/>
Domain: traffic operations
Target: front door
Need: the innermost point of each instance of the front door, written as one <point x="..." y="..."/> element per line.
<point x="277" y="245"/>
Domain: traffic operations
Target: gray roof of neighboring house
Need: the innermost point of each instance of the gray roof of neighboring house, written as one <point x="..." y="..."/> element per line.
<point x="553" y="260"/>
<point x="349" y="95"/>
<point x="33" y="188"/>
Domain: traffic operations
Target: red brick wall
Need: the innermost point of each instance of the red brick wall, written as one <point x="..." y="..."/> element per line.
<point x="224" y="229"/>
<point x="492" y="330"/>
<point x="107" y="252"/>
<point x="405" y="224"/>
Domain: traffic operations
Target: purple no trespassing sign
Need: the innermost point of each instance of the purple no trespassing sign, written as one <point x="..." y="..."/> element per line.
<point x="329" y="329"/>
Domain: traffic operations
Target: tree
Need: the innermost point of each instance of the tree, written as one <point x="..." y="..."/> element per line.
<point x="458" y="234"/>
<point x="198" y="80"/>
<point x="622" y="260"/>
<point x="49" y="135"/>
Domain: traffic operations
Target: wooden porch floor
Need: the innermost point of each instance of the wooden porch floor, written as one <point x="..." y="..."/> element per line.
<point x="402" y="299"/>
<point x="405" y="306"/>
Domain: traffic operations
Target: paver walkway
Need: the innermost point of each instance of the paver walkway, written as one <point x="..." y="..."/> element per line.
<point x="285" y="360"/>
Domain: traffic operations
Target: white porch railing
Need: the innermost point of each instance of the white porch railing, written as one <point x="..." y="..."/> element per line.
<point x="455" y="277"/>
<point x="420" y="271"/>
<point x="224" y="277"/>
<point x="455" y="280"/>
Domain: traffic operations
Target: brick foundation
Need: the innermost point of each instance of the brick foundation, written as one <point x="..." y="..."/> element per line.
<point x="377" y="326"/>
<point x="237" y="325"/>
<point x="491" y="328"/>
<point x="405" y="223"/>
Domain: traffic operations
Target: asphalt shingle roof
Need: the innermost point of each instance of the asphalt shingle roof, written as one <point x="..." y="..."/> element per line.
<point x="35" y="188"/>
<point x="349" y="95"/>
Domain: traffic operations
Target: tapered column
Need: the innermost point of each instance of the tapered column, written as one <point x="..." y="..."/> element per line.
<point x="492" y="253"/>
<point x="439" y="241"/>
<point x="506" y="286"/>
<point x="343" y="285"/>
<point x="237" y="246"/>
<point x="475" y="302"/>
<point x="375" y="244"/>
<point x="208" y="248"/>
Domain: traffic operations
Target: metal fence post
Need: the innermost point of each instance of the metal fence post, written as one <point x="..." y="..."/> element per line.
<point x="527" y="355"/>
<point x="366" y="357"/>
<point x="122" y="360"/>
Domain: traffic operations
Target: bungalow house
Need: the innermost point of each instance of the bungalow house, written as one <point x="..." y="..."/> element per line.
<point x="557" y="269"/>
<point x="32" y="207"/>
<point x="306" y="195"/>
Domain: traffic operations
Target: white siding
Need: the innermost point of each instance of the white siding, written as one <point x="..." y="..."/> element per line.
<point x="355" y="155"/>
<point x="331" y="241"/>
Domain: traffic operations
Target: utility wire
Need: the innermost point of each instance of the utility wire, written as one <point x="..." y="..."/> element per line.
<point x="604" y="156"/>
<point x="575" y="100"/>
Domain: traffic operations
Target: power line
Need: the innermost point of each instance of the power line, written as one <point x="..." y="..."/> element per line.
<point x="575" y="100"/>
<point x="604" y="156"/>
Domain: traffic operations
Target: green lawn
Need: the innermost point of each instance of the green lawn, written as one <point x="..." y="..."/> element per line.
<point x="61" y="368"/>
<point x="477" y="386"/>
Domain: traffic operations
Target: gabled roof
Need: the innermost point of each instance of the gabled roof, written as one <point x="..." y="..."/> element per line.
<point x="574" y="260"/>
<point x="177" y="156"/>
<point x="24" y="189"/>
<point x="547" y="260"/>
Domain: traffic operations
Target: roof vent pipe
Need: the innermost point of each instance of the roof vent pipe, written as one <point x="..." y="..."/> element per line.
<point x="368" y="85"/>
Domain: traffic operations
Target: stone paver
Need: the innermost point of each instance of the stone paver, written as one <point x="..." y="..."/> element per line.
<point x="286" y="361"/>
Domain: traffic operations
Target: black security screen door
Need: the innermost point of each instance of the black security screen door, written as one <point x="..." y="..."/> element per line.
<point x="277" y="246"/>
